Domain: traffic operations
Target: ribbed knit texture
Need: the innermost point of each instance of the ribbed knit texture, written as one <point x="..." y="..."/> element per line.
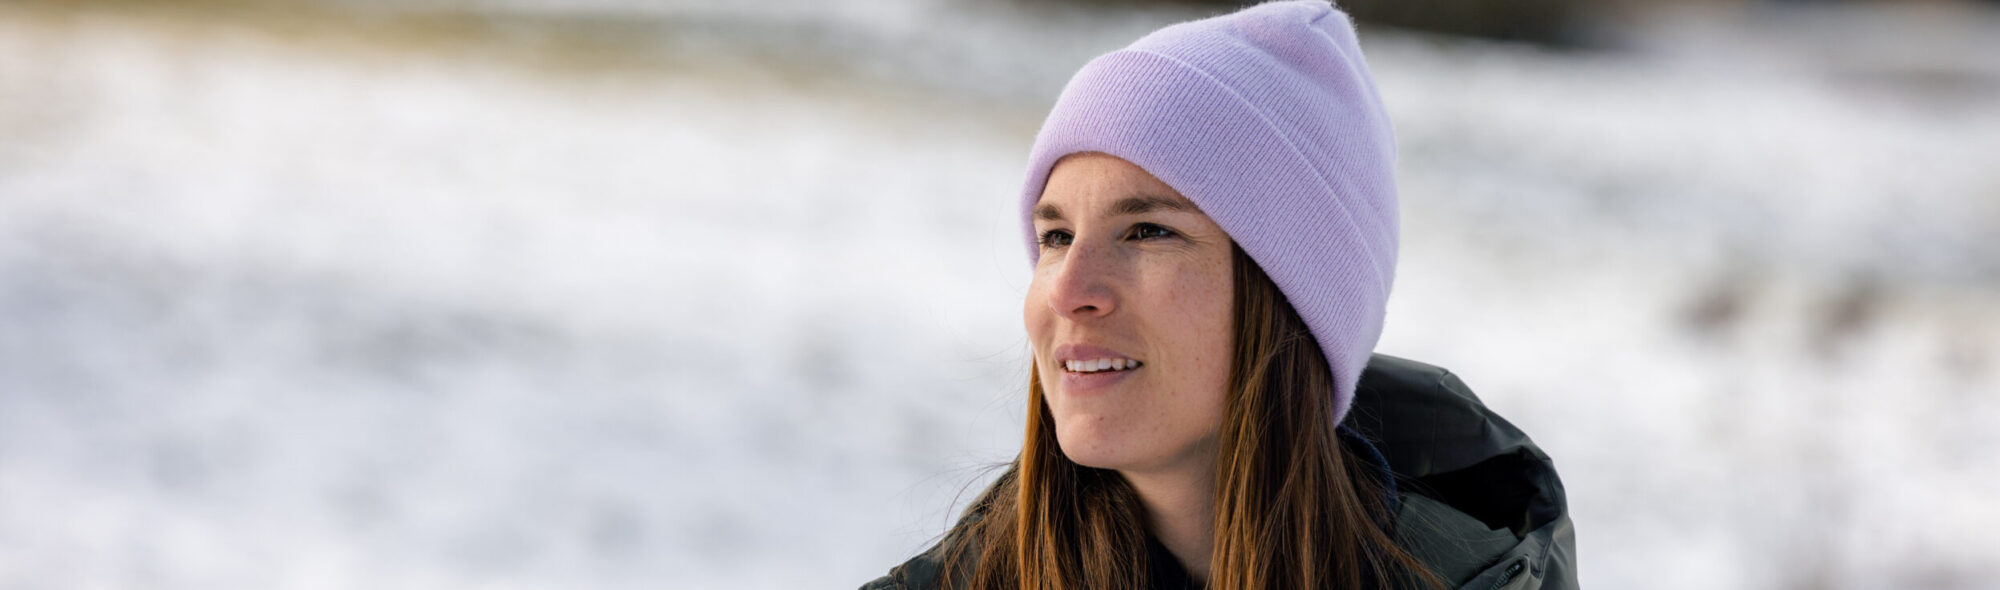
<point x="1268" y="119"/>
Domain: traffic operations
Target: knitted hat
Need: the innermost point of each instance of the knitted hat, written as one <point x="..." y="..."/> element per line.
<point x="1268" y="120"/>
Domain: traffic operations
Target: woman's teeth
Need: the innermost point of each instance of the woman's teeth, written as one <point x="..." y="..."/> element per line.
<point x="1098" y="365"/>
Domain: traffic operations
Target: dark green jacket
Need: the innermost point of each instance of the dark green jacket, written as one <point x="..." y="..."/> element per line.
<point x="1477" y="501"/>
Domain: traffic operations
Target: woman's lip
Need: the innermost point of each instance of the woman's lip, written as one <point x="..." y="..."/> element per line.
<point x="1088" y="383"/>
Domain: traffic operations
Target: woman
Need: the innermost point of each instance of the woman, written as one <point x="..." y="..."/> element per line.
<point x="1211" y="214"/>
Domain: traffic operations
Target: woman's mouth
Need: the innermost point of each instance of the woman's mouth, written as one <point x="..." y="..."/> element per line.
<point x="1102" y="365"/>
<point x="1097" y="376"/>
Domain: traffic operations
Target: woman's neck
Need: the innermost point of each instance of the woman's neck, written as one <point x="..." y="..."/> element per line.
<point x="1180" y="510"/>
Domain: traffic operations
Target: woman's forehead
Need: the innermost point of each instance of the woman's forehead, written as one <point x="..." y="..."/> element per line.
<point x="1103" y="185"/>
<point x="1132" y="204"/>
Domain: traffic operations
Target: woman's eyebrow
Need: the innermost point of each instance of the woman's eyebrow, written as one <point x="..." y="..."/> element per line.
<point x="1126" y="206"/>
<point x="1149" y="203"/>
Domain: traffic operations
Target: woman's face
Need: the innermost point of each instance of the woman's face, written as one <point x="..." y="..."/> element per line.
<point x="1130" y="271"/>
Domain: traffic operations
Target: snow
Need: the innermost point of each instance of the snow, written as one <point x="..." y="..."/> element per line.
<point x="317" y="300"/>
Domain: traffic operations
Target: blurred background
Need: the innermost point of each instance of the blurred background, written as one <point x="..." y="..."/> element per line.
<point x="702" y="294"/>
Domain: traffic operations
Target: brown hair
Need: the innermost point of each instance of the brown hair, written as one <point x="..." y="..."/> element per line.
<point x="1294" y="508"/>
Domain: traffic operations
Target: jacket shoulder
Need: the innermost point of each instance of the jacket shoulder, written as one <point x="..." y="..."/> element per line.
<point x="925" y="571"/>
<point x="922" y="572"/>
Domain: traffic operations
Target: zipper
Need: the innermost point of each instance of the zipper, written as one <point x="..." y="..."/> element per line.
<point x="1507" y="576"/>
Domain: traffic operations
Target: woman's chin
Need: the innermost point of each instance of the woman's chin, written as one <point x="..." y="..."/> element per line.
<point x="1091" y="450"/>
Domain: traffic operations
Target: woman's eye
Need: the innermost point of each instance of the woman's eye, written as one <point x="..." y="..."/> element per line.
<point x="1055" y="238"/>
<point x="1148" y="230"/>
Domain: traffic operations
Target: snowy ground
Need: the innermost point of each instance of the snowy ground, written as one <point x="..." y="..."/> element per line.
<point x="537" y="301"/>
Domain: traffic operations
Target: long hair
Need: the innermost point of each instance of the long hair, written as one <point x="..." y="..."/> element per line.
<point x="1294" y="509"/>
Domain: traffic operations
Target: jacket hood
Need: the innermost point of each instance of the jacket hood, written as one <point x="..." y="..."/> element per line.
<point x="1477" y="499"/>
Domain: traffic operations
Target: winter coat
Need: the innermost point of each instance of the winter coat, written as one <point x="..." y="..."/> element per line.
<point x="1475" y="499"/>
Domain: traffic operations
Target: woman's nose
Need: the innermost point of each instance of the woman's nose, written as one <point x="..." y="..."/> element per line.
<point x="1084" y="283"/>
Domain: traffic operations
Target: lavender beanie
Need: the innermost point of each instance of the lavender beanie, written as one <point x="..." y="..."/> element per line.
<point x="1268" y="120"/>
